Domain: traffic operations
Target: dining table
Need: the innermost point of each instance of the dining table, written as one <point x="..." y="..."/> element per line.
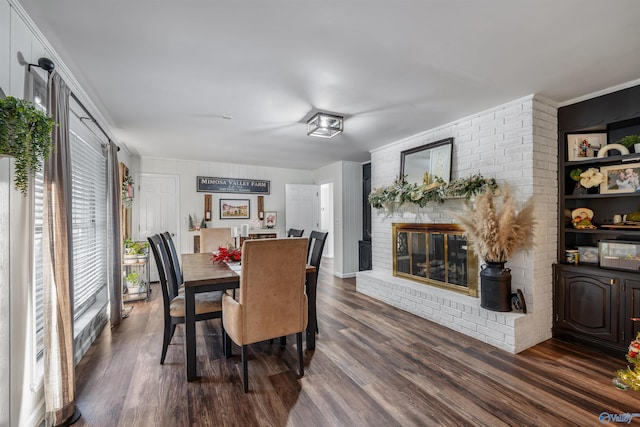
<point x="201" y="274"/>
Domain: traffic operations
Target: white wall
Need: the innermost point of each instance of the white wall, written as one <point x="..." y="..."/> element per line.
<point x="5" y="180"/>
<point x="515" y="143"/>
<point x="192" y="202"/>
<point x="26" y="401"/>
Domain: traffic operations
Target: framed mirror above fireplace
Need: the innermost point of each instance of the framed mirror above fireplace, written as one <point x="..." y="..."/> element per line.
<point x="437" y="255"/>
<point x="433" y="158"/>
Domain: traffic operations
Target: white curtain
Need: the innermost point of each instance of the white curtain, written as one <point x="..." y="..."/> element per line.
<point x="59" y="369"/>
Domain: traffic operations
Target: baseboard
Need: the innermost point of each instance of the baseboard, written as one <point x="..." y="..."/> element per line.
<point x="345" y="275"/>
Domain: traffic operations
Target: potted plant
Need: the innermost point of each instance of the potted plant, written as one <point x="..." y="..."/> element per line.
<point x="631" y="142"/>
<point x="141" y="249"/>
<point x="496" y="233"/>
<point x="134" y="283"/>
<point x="25" y="134"/>
<point x="130" y="251"/>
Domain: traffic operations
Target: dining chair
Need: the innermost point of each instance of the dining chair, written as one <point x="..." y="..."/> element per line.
<point x="317" y="240"/>
<point x="293" y="232"/>
<point x="272" y="302"/>
<point x="174" y="263"/>
<point x="213" y="238"/>
<point x="208" y="304"/>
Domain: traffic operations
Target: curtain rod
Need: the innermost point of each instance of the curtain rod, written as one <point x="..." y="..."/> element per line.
<point x="73" y="95"/>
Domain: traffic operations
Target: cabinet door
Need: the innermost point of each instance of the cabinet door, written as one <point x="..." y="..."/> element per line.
<point x="631" y="309"/>
<point x="587" y="303"/>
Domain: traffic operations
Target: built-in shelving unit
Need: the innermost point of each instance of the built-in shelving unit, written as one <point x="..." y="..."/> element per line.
<point x="593" y="304"/>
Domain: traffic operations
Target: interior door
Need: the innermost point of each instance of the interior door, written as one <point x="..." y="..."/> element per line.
<point x="158" y="210"/>
<point x="302" y="207"/>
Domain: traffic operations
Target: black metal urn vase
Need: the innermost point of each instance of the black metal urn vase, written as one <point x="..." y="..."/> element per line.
<point x="495" y="282"/>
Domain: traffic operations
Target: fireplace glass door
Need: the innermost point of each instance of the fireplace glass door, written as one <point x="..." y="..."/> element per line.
<point x="435" y="254"/>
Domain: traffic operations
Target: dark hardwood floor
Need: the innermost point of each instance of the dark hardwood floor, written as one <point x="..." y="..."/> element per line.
<point x="373" y="365"/>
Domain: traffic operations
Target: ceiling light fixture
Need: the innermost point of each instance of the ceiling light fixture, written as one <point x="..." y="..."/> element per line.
<point x="325" y="125"/>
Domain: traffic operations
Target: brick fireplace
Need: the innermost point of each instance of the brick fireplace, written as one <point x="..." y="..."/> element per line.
<point x="515" y="143"/>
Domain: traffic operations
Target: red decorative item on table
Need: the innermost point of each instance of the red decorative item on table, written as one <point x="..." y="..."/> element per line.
<point x="228" y="254"/>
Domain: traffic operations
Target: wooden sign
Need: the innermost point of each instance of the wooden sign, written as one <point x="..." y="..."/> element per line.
<point x="207" y="184"/>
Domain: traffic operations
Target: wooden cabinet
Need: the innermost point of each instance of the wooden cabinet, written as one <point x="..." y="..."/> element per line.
<point x="586" y="304"/>
<point x="593" y="304"/>
<point x="259" y="234"/>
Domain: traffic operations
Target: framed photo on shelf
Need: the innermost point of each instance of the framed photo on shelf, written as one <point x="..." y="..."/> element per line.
<point x="588" y="255"/>
<point x="620" y="178"/>
<point x="235" y="209"/>
<point x="584" y="146"/>
<point x="270" y="219"/>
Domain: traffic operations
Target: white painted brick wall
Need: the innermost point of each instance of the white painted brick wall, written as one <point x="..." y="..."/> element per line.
<point x="515" y="143"/>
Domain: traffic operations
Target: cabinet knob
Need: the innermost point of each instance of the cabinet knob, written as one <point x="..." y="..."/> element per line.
<point x="612" y="281"/>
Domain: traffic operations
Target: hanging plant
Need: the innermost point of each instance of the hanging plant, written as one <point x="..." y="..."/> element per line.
<point x="127" y="192"/>
<point x="25" y="134"/>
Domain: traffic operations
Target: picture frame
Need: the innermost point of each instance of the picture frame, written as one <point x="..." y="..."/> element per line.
<point x="622" y="178"/>
<point x="270" y="219"/>
<point x="588" y="255"/>
<point x="235" y="209"/>
<point x="584" y="146"/>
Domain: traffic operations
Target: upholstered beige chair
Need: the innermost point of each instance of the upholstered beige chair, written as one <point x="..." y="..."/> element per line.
<point x="272" y="302"/>
<point x="213" y="238"/>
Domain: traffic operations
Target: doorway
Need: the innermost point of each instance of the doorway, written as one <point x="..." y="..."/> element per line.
<point x="158" y="211"/>
<point x="326" y="217"/>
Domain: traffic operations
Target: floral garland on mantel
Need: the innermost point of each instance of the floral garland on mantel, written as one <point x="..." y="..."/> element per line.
<point x="436" y="191"/>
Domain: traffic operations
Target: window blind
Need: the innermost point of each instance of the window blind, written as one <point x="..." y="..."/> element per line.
<point x="89" y="218"/>
<point x="89" y="226"/>
<point x="38" y="186"/>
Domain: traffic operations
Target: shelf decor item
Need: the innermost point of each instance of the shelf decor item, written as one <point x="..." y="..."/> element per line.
<point x="496" y="233"/>
<point x="270" y="219"/>
<point x="590" y="178"/>
<point x="631" y="142"/>
<point x="581" y="219"/>
<point x="25" y="134"/>
<point x="624" y="178"/>
<point x="584" y="146"/>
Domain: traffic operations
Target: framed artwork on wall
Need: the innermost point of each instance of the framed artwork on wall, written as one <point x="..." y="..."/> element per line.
<point x="235" y="209"/>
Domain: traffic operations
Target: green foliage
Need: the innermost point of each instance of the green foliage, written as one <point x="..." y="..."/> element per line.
<point x="25" y="133"/>
<point x="630" y="140"/>
<point x="133" y="277"/>
<point x="575" y="174"/>
<point x="127" y="201"/>
<point x="400" y="191"/>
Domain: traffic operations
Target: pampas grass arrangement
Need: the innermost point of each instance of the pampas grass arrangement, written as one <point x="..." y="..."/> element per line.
<point x="496" y="232"/>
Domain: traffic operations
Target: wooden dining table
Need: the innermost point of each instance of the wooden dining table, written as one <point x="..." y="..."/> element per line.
<point x="200" y="274"/>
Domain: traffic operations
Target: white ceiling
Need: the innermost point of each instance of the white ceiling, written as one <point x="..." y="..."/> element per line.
<point x="163" y="73"/>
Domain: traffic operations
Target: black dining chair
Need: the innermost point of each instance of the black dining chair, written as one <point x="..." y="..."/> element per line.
<point x="208" y="304"/>
<point x="293" y="232"/>
<point x="317" y="240"/>
<point x="174" y="262"/>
